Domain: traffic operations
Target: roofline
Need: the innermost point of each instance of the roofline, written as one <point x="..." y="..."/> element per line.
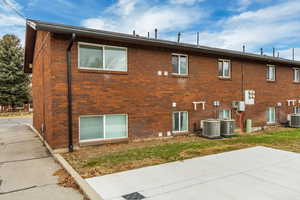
<point x="87" y="32"/>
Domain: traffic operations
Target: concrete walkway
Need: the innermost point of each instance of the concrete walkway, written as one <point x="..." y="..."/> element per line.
<point x="255" y="173"/>
<point x="26" y="168"/>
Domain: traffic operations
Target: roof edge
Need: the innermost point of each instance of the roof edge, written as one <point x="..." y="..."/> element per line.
<point x="88" y="32"/>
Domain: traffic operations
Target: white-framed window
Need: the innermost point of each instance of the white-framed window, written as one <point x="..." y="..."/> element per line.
<point x="271" y="73"/>
<point x="271" y="115"/>
<point x="180" y="64"/>
<point x="224" y="68"/>
<point x="100" y="127"/>
<point x="224" y="114"/>
<point x="296" y="75"/>
<point x="102" y="57"/>
<point x="296" y="109"/>
<point x="180" y="121"/>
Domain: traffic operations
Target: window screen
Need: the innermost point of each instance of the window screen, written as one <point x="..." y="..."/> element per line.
<point x="90" y="57"/>
<point x="224" y="114"/>
<point x="91" y="128"/>
<point x="115" y="126"/>
<point x="180" y="64"/>
<point x="224" y="68"/>
<point x="271" y="115"/>
<point x="180" y="121"/>
<point x="103" y="127"/>
<point x="296" y="75"/>
<point x="115" y="59"/>
<point x="102" y="57"/>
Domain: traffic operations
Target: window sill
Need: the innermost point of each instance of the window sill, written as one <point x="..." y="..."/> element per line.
<point x="271" y="123"/>
<point x="294" y="82"/>
<point x="271" y="81"/>
<point x="103" y="141"/>
<point x="175" y="132"/>
<point x="180" y="75"/>
<point x="225" y="78"/>
<point x="180" y="133"/>
<point x="102" y="71"/>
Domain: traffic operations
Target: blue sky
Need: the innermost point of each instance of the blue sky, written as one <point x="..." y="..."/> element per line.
<point x="221" y="23"/>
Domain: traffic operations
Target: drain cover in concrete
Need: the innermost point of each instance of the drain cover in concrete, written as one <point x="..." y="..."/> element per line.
<point x="133" y="196"/>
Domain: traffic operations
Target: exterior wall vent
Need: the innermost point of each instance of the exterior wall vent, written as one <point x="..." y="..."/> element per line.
<point x="169" y="134"/>
<point x="216" y="103"/>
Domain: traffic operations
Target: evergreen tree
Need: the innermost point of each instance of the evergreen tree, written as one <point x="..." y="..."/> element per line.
<point x="14" y="83"/>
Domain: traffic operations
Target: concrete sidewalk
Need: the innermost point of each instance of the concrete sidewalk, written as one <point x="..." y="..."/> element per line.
<point x="26" y="168"/>
<point x="257" y="173"/>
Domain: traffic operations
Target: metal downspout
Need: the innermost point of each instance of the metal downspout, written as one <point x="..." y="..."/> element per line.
<point x="69" y="93"/>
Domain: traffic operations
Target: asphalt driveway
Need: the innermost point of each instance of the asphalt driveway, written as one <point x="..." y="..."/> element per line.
<point x="258" y="173"/>
<point x="26" y="168"/>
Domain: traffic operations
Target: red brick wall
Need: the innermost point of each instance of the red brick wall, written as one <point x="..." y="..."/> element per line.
<point x="42" y="86"/>
<point x="147" y="98"/>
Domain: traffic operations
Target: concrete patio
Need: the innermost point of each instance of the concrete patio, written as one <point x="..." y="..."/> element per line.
<point x="258" y="173"/>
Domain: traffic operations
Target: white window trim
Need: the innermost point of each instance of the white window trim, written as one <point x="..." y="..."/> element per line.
<point x="187" y="64"/>
<point x="229" y="113"/>
<point x="296" y="108"/>
<point x="294" y="70"/>
<point x="187" y="119"/>
<point x="226" y="60"/>
<point x="268" y="72"/>
<point x="271" y="122"/>
<point x="103" y="49"/>
<point x="104" y="128"/>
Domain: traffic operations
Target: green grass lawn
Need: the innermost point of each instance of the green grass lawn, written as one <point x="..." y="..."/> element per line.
<point x="100" y="160"/>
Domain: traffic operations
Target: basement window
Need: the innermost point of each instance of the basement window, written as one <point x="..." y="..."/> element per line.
<point x="92" y="128"/>
<point x="271" y="73"/>
<point x="296" y="75"/>
<point x="102" y="57"/>
<point x="180" y="121"/>
<point x="224" y="68"/>
<point x="180" y="64"/>
<point x="224" y="114"/>
<point x="271" y="115"/>
<point x="296" y="109"/>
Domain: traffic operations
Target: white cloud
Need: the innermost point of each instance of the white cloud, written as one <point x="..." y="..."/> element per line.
<point x="288" y="53"/>
<point x="187" y="2"/>
<point x="242" y="5"/>
<point x="166" y="19"/>
<point x="123" y="7"/>
<point x="99" y="23"/>
<point x="10" y="22"/>
<point x="143" y="17"/>
<point x="32" y="3"/>
<point x="66" y="3"/>
<point x="274" y="24"/>
<point x="12" y="3"/>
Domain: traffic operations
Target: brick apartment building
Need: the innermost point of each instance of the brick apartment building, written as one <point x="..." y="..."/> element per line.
<point x="91" y="86"/>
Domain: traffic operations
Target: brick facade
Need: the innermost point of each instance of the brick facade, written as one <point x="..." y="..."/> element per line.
<point x="144" y="95"/>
